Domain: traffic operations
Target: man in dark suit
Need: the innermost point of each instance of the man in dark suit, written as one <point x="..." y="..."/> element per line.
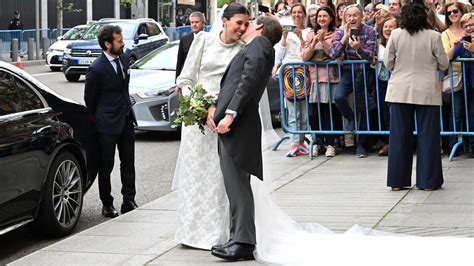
<point x="239" y="127"/>
<point x="197" y="24"/>
<point x="108" y="101"/>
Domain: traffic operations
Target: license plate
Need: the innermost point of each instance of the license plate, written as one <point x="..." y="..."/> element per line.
<point x="86" y="61"/>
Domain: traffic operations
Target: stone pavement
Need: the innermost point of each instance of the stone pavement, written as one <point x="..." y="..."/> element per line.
<point x="337" y="193"/>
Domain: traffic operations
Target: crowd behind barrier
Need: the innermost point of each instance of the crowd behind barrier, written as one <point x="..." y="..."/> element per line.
<point x="365" y="101"/>
<point x="6" y="36"/>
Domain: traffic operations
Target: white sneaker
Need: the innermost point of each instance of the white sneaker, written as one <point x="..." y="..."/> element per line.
<point x="315" y="150"/>
<point x="330" y="151"/>
<point x="349" y="140"/>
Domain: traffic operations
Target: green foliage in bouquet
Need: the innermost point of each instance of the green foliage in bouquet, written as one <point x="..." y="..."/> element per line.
<point x="192" y="109"/>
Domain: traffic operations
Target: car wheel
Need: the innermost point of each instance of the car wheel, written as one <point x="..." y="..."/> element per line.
<point x="55" y="69"/>
<point x="61" y="204"/>
<point x="132" y="59"/>
<point x="72" y="77"/>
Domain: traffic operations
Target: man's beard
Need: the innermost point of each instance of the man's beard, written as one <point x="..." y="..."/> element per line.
<point x="116" y="51"/>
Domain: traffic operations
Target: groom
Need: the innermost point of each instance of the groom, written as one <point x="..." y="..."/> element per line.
<point x="238" y="124"/>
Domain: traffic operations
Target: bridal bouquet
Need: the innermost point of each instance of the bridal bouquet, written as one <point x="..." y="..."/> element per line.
<point x="192" y="109"/>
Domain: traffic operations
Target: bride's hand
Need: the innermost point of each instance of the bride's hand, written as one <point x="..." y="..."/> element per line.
<point x="178" y="91"/>
<point x="210" y="118"/>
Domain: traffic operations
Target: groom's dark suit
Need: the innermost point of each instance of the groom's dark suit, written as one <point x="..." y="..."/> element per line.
<point x="240" y="151"/>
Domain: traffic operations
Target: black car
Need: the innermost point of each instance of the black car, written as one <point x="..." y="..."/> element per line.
<point x="44" y="164"/>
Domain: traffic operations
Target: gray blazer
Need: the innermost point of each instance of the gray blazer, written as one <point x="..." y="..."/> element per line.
<point x="415" y="61"/>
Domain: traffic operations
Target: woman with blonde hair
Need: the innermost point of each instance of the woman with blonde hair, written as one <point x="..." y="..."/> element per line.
<point x="451" y="37"/>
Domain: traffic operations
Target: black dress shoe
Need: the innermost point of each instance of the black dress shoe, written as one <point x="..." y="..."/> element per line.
<point x="109" y="211"/>
<point x="235" y="252"/>
<point x="128" y="206"/>
<point x="219" y="246"/>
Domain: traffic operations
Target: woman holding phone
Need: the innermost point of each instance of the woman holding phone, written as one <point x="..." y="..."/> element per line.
<point x="465" y="49"/>
<point x="451" y="38"/>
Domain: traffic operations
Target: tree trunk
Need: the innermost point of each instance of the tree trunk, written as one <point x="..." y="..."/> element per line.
<point x="59" y="17"/>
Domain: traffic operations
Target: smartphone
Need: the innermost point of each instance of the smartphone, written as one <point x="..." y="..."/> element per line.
<point x="289" y="28"/>
<point x="467" y="38"/>
<point x="263" y="9"/>
<point x="354" y="32"/>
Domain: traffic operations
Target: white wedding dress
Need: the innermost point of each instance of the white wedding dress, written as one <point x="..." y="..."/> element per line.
<point x="203" y="207"/>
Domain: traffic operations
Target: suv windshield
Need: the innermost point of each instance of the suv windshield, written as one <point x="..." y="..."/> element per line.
<point x="163" y="58"/>
<point x="128" y="30"/>
<point x="74" y="33"/>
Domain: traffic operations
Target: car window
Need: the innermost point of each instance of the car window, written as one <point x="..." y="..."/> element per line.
<point x="142" y="29"/>
<point x="153" y="29"/>
<point x="29" y="98"/>
<point x="128" y="30"/>
<point x="74" y="34"/>
<point x="9" y="99"/>
<point x="163" y="58"/>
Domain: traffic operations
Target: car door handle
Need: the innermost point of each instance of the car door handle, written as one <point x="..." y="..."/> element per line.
<point x="42" y="130"/>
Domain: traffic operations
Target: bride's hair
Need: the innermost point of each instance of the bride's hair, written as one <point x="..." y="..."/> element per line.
<point x="234" y="9"/>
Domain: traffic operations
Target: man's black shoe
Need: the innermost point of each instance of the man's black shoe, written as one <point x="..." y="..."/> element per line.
<point x="128" y="206"/>
<point x="109" y="211"/>
<point x="219" y="246"/>
<point x="235" y="252"/>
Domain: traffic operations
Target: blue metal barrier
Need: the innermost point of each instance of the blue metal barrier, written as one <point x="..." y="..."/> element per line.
<point x="182" y="30"/>
<point x="360" y="104"/>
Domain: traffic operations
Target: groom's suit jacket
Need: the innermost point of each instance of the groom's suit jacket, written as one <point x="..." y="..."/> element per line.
<point x="242" y="86"/>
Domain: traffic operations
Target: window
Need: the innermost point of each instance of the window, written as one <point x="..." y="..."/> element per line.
<point x="142" y="29"/>
<point x="9" y="99"/>
<point x="29" y="98"/>
<point x="153" y="29"/>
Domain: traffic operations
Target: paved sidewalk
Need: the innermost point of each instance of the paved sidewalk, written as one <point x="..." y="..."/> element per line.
<point x="336" y="193"/>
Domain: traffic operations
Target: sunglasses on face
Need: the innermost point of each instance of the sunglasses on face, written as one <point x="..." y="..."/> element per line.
<point x="454" y="11"/>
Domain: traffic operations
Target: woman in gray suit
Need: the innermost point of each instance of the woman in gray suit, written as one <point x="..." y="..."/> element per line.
<point x="414" y="54"/>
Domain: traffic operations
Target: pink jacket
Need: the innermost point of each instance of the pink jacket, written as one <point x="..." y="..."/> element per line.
<point x="307" y="53"/>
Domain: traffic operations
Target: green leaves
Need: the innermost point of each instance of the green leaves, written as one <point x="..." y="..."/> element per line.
<point x="192" y="108"/>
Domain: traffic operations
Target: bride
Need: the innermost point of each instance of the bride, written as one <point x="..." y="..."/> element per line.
<point x="203" y="211"/>
<point x="203" y="207"/>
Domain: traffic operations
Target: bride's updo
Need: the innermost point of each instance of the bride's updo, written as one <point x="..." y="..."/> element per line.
<point x="234" y="9"/>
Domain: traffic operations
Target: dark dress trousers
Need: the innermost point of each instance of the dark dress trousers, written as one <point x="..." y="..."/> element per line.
<point x="429" y="172"/>
<point x="184" y="44"/>
<point x="240" y="151"/>
<point x="107" y="99"/>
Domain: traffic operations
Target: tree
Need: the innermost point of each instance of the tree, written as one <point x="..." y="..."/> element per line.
<point x="221" y="3"/>
<point x="63" y="6"/>
<point x="127" y="3"/>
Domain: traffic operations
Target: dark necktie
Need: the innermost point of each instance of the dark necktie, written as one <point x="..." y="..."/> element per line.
<point x="119" y="68"/>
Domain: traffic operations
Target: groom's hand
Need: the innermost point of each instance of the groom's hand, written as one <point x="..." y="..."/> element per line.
<point x="224" y="125"/>
<point x="210" y="118"/>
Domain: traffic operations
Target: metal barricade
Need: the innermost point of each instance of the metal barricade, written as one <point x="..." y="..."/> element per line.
<point x="366" y="93"/>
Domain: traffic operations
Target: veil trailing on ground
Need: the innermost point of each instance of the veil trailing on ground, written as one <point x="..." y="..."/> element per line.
<point x="281" y="240"/>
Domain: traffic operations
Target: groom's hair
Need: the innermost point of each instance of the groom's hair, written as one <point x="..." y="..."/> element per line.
<point x="271" y="28"/>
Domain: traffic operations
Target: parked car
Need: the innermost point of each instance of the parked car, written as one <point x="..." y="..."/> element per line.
<point x="152" y="90"/>
<point x="141" y="36"/>
<point x="54" y="55"/>
<point x="47" y="157"/>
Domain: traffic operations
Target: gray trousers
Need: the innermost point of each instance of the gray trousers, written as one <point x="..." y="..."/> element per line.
<point x="239" y="192"/>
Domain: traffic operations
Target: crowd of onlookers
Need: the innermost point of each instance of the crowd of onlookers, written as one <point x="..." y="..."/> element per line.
<point x="344" y="30"/>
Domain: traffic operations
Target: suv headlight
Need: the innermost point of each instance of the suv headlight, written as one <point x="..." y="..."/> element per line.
<point x="67" y="51"/>
<point x="156" y="93"/>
